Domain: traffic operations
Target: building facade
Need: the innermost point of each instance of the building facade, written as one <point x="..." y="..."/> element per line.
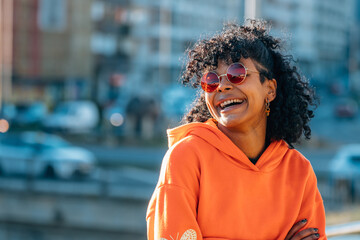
<point x="110" y="49"/>
<point x="317" y="32"/>
<point x="52" y="59"/>
<point x="151" y="50"/>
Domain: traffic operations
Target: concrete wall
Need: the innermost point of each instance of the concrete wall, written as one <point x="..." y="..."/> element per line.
<point x="49" y="214"/>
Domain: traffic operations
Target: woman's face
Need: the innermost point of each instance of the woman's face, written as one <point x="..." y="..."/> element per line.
<point x="251" y="95"/>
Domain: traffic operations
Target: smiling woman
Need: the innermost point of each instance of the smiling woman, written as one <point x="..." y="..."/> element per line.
<point x="248" y="114"/>
<point x="231" y="171"/>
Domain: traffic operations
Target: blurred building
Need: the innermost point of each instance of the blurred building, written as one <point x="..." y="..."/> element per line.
<point x="318" y="33"/>
<point x="52" y="59"/>
<point x="354" y="50"/>
<point x="111" y="47"/>
<point x="115" y="49"/>
<point x="146" y="40"/>
<point x="139" y="50"/>
<point x="168" y="29"/>
<point x="111" y="51"/>
<point x="6" y="41"/>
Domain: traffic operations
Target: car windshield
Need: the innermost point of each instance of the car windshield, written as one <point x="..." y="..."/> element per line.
<point x="355" y="159"/>
<point x="43" y="140"/>
<point x="62" y="109"/>
<point x="65" y="109"/>
<point x="22" y="108"/>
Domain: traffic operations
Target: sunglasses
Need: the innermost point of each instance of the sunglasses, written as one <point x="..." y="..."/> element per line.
<point x="236" y="73"/>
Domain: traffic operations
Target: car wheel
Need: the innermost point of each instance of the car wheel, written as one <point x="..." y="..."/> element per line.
<point x="49" y="172"/>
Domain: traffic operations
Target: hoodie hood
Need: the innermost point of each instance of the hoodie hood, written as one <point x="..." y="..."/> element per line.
<point x="210" y="133"/>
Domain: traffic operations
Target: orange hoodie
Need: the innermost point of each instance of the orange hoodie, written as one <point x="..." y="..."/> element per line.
<point x="209" y="189"/>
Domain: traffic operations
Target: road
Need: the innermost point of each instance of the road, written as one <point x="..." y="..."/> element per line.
<point x="150" y="158"/>
<point x="326" y="127"/>
<point x="143" y="157"/>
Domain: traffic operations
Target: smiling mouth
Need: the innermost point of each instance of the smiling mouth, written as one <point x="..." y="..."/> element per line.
<point x="230" y="103"/>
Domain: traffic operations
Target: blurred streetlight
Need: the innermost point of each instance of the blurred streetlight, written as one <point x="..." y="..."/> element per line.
<point x="116" y="119"/>
<point x="4" y="126"/>
<point x="252" y="9"/>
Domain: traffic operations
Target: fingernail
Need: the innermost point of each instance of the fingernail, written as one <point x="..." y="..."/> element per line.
<point x="304" y="220"/>
<point x="316" y="230"/>
<point x="317" y="235"/>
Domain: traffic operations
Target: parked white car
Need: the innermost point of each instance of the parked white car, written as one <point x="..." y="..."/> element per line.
<point x="42" y="154"/>
<point x="344" y="170"/>
<point x="73" y="116"/>
<point x="346" y="163"/>
<point x="30" y="113"/>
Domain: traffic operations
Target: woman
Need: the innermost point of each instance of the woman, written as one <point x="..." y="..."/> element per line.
<point x="231" y="172"/>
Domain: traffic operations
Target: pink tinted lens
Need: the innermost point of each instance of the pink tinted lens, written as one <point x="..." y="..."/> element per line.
<point x="236" y="73"/>
<point x="209" y="82"/>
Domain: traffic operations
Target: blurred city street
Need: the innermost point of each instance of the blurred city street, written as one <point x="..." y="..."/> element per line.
<point x="89" y="87"/>
<point x="331" y="128"/>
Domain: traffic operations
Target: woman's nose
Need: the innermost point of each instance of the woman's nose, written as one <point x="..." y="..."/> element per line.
<point x="224" y="83"/>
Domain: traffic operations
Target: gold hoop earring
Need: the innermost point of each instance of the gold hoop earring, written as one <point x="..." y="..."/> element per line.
<point x="267" y="107"/>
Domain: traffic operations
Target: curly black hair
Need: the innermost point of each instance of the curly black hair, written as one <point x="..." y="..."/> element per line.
<point x="291" y="110"/>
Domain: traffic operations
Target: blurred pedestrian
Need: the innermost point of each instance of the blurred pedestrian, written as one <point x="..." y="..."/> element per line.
<point x="142" y="114"/>
<point x="150" y="118"/>
<point x="231" y="172"/>
<point x="134" y="115"/>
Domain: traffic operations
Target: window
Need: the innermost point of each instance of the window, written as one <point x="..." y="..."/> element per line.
<point x="52" y="15"/>
<point x="355" y="159"/>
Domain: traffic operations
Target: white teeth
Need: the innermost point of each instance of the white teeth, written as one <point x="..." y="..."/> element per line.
<point x="227" y="102"/>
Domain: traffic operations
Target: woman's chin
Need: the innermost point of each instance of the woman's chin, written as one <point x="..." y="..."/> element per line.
<point x="230" y="122"/>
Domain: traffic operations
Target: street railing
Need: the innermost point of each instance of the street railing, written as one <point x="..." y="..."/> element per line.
<point x="343" y="229"/>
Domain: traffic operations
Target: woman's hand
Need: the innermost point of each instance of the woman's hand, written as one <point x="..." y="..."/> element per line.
<point x="307" y="234"/>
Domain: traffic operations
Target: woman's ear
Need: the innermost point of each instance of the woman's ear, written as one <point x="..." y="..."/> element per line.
<point x="272" y="85"/>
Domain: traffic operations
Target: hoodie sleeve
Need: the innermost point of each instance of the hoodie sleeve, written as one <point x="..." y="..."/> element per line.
<point x="172" y="211"/>
<point x="312" y="207"/>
